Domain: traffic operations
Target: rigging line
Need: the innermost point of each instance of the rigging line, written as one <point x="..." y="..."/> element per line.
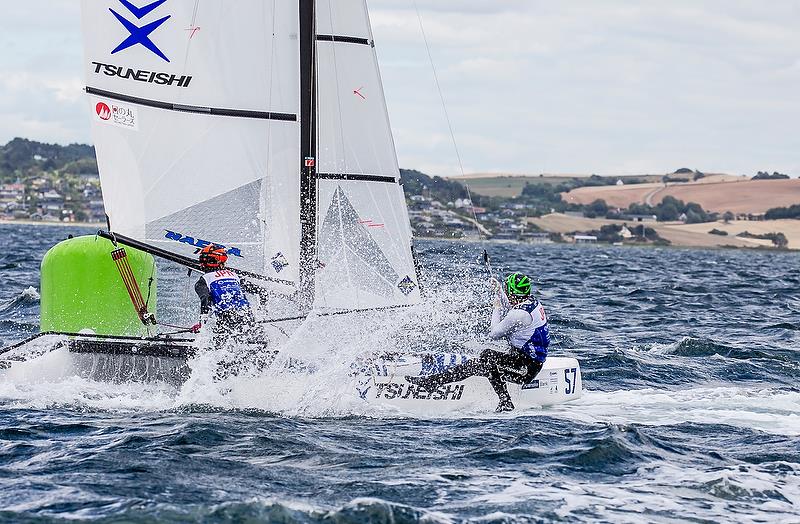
<point x="447" y="117"/>
<point x="332" y="314"/>
<point x="266" y="180"/>
<point x="150" y="283"/>
<point x="94" y="336"/>
<point x="338" y="99"/>
<point x="381" y="92"/>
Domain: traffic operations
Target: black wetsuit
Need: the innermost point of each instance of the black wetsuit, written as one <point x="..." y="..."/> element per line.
<point x="497" y="366"/>
<point x="526" y="328"/>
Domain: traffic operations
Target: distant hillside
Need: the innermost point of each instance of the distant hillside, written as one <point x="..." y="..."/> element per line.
<point x="512" y="186"/>
<point x="22" y="157"/>
<point x="437" y="188"/>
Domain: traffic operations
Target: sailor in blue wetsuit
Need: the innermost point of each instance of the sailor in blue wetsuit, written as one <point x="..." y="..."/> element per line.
<point x="221" y="292"/>
<point x="518" y="317"/>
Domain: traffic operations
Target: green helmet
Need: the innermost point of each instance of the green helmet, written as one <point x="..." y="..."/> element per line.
<point x="518" y="285"/>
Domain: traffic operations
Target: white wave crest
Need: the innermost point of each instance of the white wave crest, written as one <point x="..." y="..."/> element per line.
<point x="762" y="408"/>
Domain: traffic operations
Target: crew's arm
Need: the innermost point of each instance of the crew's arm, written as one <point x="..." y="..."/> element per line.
<point x="504" y="303"/>
<point x="201" y="288"/>
<point x="500" y="295"/>
<point x="503" y="326"/>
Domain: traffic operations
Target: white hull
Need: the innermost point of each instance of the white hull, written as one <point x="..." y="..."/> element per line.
<point x="380" y="382"/>
<point x="383" y="383"/>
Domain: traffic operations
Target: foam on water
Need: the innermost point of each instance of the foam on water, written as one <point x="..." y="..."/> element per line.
<point x="322" y="386"/>
<point x="659" y="493"/>
<point x="767" y="409"/>
<point x="690" y="411"/>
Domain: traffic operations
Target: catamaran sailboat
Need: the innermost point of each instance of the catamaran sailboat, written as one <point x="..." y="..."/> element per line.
<point x="257" y="126"/>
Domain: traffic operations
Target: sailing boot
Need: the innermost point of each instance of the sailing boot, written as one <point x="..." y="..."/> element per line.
<point x="505" y="405"/>
<point x="498" y="383"/>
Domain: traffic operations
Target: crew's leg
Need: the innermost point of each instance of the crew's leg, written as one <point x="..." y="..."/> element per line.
<point x="230" y="339"/>
<point x="520" y="368"/>
<point x="456" y="373"/>
<point x="533" y="369"/>
<point x="493" y="361"/>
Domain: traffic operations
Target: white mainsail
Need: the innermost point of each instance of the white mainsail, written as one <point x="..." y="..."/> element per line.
<point x="195" y="122"/>
<point x="201" y="116"/>
<point x="364" y="240"/>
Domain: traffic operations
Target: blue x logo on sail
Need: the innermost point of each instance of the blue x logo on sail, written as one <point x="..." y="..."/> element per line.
<point x="140" y="35"/>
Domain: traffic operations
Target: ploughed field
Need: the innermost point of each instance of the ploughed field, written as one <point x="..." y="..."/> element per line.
<point x="684" y="235"/>
<point x="718" y="194"/>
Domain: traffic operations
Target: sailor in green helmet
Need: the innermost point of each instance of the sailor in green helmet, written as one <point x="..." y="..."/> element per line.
<point x="518" y="317"/>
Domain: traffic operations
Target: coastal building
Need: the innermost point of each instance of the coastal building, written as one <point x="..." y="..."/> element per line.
<point x="12" y="192"/>
<point x="585" y="239"/>
<point x="644" y="218"/>
<point x="536" y="238"/>
<point x="506" y="234"/>
<point x="12" y="198"/>
<point x="97" y="211"/>
<point x="51" y="205"/>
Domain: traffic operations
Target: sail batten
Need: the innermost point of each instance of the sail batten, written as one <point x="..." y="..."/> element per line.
<point x="345" y="39"/>
<point x="171" y="106"/>
<point x="358" y="177"/>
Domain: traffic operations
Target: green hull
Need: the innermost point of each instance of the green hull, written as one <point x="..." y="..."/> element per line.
<point x="81" y="288"/>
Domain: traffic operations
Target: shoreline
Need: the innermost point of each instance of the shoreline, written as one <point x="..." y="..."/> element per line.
<point x="760" y="248"/>
<point x="763" y="249"/>
<point x="50" y="224"/>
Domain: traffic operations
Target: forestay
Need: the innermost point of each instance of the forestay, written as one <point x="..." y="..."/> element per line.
<point x="364" y="237"/>
<point x="195" y="121"/>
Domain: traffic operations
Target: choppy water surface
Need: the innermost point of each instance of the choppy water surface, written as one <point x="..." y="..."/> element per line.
<point x="691" y="410"/>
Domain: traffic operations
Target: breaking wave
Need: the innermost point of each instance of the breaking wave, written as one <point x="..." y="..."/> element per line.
<point x="27" y="298"/>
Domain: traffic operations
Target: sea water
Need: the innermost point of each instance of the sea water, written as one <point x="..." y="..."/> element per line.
<point x="691" y="408"/>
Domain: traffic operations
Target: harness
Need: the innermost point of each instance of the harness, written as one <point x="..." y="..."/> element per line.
<point x="536" y="346"/>
<point x="226" y="292"/>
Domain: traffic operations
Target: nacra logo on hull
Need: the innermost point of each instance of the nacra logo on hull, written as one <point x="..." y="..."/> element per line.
<point x="200" y="244"/>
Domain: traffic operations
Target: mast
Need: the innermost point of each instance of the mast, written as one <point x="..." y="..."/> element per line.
<point x="308" y="148"/>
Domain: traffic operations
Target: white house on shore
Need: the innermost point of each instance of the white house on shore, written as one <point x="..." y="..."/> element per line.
<point x="585" y="239"/>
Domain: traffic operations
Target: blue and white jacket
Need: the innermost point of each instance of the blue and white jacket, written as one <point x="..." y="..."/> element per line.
<point x="525" y="327"/>
<point x="221" y="291"/>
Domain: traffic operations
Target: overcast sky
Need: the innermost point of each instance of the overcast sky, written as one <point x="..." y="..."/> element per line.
<point x="585" y="86"/>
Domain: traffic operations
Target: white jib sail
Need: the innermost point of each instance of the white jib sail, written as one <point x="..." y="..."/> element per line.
<point x="364" y="235"/>
<point x="195" y="119"/>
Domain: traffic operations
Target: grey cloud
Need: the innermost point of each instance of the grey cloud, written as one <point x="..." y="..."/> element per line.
<point x="531" y="85"/>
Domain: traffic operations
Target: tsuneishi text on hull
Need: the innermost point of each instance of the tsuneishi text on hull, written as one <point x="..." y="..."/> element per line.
<point x="404" y="391"/>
